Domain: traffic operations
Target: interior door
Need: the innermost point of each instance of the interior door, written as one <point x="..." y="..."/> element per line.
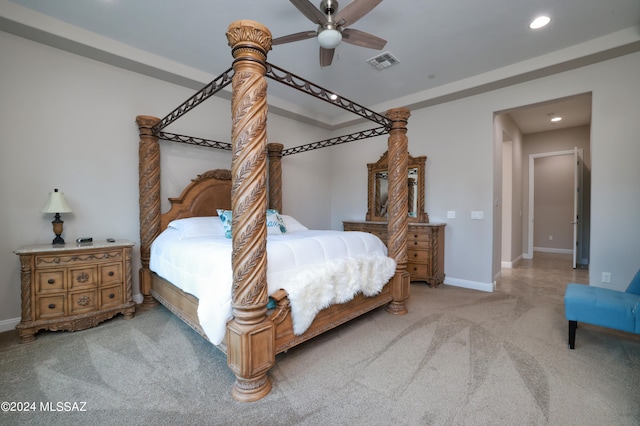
<point x="577" y="205"/>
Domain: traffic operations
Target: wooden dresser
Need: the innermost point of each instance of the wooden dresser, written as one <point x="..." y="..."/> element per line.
<point x="74" y="286"/>
<point x="425" y="247"/>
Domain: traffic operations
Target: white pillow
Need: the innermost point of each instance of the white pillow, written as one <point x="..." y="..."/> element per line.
<point x="292" y="225"/>
<point x="193" y="227"/>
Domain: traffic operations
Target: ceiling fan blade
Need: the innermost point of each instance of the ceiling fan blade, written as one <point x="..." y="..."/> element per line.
<point x="354" y="11"/>
<point x="326" y="56"/>
<point x="310" y="11"/>
<point x="294" y="37"/>
<point x="362" y="39"/>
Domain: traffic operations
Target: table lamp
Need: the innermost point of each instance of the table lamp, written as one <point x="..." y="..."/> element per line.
<point x="57" y="204"/>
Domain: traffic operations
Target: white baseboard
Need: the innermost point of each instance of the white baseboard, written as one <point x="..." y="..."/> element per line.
<point x="553" y="250"/>
<point x="473" y="285"/>
<point x="9" y="324"/>
<point x="513" y="263"/>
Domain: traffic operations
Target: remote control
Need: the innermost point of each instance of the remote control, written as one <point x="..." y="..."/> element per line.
<point x="111" y="240"/>
<point x="84" y="240"/>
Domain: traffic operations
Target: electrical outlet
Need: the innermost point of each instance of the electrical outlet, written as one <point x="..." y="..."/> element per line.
<point x="550" y="237"/>
<point x="606" y="277"/>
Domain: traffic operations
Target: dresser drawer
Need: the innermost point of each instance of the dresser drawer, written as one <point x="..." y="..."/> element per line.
<point x="82" y="301"/>
<point x="83" y="277"/>
<point x="111" y="296"/>
<point x="49" y="281"/>
<point x="110" y="273"/>
<point x="50" y="306"/>
<point x="74" y="259"/>
<point x="417" y="236"/>
<point x="417" y="256"/>
<point x="418" y="271"/>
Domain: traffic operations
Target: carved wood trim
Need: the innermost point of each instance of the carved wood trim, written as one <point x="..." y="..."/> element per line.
<point x="274" y="151"/>
<point x="250" y="334"/>
<point x="149" y="196"/>
<point x="397" y="206"/>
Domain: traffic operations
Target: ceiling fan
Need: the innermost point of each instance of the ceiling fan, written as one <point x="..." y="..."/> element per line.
<point x="332" y="26"/>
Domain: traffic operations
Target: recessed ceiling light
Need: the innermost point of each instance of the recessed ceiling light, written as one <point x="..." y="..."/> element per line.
<point x="539" y="22"/>
<point x="556" y="119"/>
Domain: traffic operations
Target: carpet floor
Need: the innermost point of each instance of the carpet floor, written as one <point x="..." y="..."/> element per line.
<point x="459" y="357"/>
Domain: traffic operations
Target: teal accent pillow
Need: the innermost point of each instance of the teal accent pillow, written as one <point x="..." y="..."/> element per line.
<point x="634" y="286"/>
<point x="225" y="219"/>
<point x="275" y="223"/>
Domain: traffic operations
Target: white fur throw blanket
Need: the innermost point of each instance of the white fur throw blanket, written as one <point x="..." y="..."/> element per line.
<point x="313" y="288"/>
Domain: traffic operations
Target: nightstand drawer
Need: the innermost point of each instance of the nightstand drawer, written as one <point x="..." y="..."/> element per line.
<point x="110" y="296"/>
<point x="50" y="281"/>
<point x="82" y="301"/>
<point x="50" y="306"/>
<point x="111" y="273"/>
<point x="83" y="277"/>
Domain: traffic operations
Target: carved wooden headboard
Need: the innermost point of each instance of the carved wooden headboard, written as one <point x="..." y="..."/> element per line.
<point x="206" y="193"/>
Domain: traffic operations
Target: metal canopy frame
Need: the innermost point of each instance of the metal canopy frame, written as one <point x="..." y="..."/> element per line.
<point x="287" y="78"/>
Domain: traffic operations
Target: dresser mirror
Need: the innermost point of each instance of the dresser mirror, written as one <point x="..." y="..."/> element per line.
<point x="378" y="189"/>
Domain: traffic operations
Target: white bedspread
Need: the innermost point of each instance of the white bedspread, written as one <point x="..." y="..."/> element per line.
<point x="315" y="268"/>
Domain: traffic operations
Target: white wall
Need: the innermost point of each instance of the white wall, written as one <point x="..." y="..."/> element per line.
<point x="69" y="122"/>
<point x="458" y="138"/>
<point x="512" y="209"/>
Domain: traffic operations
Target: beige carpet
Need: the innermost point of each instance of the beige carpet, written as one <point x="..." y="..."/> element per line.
<point x="460" y="357"/>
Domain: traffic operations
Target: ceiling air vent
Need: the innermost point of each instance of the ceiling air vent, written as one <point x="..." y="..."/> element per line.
<point x="384" y="60"/>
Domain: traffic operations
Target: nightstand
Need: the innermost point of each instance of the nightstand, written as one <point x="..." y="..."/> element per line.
<point x="73" y="286"/>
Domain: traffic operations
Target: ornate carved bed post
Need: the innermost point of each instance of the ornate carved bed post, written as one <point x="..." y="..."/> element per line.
<point x="275" y="175"/>
<point x="397" y="209"/>
<point x="149" y="186"/>
<point x="251" y="334"/>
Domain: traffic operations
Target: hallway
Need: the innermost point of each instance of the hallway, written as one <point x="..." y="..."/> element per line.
<point x="546" y="273"/>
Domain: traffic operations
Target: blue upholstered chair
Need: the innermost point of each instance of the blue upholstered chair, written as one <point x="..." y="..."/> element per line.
<point x="604" y="307"/>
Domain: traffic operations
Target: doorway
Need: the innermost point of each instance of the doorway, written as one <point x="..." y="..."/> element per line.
<point x="520" y="133"/>
<point x="556" y="205"/>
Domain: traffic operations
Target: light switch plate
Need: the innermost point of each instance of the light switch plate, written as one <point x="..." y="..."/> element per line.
<point x="451" y="214"/>
<point x="477" y="214"/>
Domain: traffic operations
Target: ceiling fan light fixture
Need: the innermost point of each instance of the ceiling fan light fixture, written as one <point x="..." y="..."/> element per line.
<point x="329" y="38"/>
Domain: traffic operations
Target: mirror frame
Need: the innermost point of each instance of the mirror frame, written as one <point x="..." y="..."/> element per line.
<point x="382" y="166"/>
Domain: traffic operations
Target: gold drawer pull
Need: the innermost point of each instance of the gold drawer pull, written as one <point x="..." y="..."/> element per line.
<point x="51" y="305"/>
<point x="111" y="296"/>
<point x="111" y="273"/>
<point x="51" y="281"/>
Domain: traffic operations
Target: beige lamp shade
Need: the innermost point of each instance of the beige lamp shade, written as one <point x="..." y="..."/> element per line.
<point x="56" y="203"/>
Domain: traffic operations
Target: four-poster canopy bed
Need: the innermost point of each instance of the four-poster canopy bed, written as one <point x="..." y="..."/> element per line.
<point x="257" y="332"/>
